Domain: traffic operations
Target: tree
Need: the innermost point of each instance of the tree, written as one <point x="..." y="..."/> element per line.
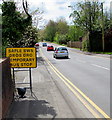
<point x="87" y="15"/>
<point x="50" y="31"/>
<point x="62" y="27"/>
<point x="29" y="38"/>
<point x="75" y="32"/>
<point x="41" y="34"/>
<point x="61" y="38"/>
<point x="107" y="20"/>
<point x="11" y="24"/>
<point x="61" y="35"/>
<point x="37" y="17"/>
<point x="17" y="26"/>
<point x="17" y="29"/>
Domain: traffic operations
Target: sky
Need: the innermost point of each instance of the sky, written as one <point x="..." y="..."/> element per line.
<point x="54" y="9"/>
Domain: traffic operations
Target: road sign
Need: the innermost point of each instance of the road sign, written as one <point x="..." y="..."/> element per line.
<point x="22" y="57"/>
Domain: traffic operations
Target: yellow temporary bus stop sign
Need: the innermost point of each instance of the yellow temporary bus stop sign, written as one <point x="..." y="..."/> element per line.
<point x="22" y="57"/>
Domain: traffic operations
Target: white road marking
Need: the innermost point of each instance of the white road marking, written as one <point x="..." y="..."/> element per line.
<point x="97" y="56"/>
<point x="100" y="66"/>
<point x="25" y="79"/>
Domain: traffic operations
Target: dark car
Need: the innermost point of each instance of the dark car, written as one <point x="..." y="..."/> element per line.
<point x="44" y="44"/>
<point x="50" y="48"/>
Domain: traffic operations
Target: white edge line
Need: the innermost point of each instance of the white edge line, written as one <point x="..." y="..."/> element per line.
<point x="101" y="67"/>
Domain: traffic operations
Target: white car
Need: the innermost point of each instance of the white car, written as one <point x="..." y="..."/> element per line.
<point x="60" y="52"/>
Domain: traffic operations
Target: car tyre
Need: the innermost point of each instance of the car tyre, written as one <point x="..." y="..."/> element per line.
<point x="67" y="57"/>
<point x="56" y="57"/>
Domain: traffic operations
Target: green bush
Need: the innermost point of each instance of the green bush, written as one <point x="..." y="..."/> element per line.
<point x="61" y="39"/>
<point x="85" y="42"/>
<point x="56" y="38"/>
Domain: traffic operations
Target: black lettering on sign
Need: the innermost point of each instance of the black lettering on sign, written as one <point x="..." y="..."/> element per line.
<point x="13" y="59"/>
<point x="15" y="50"/>
<point x="15" y="55"/>
<point x="26" y="64"/>
<point x="27" y="55"/>
<point x="28" y="50"/>
<point x="21" y="64"/>
<point x="15" y="64"/>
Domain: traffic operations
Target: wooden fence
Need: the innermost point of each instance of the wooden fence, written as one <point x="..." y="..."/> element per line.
<point x="76" y="44"/>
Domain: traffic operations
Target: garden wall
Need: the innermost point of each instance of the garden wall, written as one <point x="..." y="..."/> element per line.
<point x="7" y="86"/>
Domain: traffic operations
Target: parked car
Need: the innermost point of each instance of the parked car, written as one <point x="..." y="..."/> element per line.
<point x="44" y="44"/>
<point x="60" y="52"/>
<point x="36" y="45"/>
<point x="50" y="48"/>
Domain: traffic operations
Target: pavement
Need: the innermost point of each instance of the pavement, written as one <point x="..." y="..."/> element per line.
<point x="50" y="97"/>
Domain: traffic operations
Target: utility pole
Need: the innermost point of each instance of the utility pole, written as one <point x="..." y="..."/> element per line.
<point x="111" y="10"/>
<point x="103" y="42"/>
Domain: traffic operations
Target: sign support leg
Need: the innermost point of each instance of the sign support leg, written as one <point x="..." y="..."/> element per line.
<point x="13" y="75"/>
<point x="30" y="80"/>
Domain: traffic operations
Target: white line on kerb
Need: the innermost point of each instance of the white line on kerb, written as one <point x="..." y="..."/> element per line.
<point x="100" y="66"/>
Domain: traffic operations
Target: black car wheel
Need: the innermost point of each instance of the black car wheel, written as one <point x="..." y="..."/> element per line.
<point x="66" y="57"/>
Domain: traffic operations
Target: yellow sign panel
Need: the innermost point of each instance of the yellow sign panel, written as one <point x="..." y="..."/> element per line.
<point x="22" y="57"/>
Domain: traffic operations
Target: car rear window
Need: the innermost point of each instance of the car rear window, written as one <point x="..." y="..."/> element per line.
<point x="62" y="48"/>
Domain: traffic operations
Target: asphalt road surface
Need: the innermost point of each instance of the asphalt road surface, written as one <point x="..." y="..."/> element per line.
<point x="90" y="73"/>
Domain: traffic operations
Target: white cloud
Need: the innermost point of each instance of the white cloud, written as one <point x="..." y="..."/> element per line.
<point x="55" y="8"/>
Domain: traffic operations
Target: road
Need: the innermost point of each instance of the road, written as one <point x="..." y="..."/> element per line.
<point x="90" y="73"/>
<point x="51" y="98"/>
<point x="78" y="87"/>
